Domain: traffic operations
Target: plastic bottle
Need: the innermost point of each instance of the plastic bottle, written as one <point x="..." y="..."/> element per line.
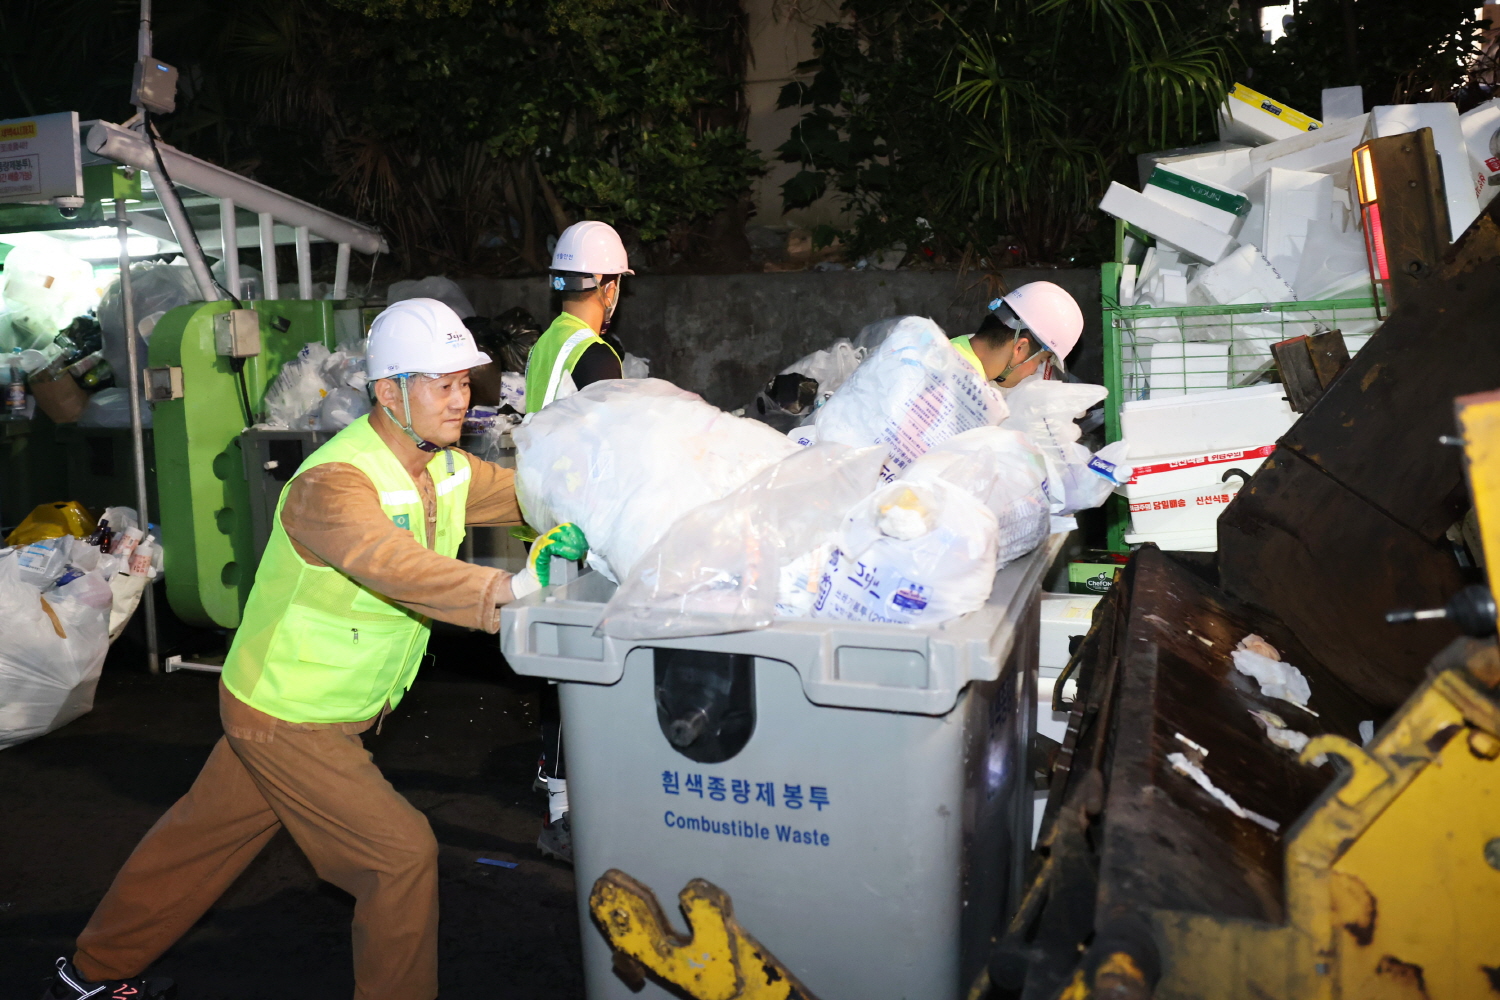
<point x="141" y="560"/>
<point x="125" y="545"/>
<point x="15" y="386"/>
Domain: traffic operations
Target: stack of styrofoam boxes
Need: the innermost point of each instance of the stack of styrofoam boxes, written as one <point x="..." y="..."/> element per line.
<point x="1272" y="220"/>
<point x="1063" y="617"/>
<point x="1191" y="456"/>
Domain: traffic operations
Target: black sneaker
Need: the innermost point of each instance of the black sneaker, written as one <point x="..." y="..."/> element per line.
<point x="67" y="984"/>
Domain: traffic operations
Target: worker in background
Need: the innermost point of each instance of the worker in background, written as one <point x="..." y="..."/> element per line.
<point x="1025" y="334"/>
<point x="359" y="562"/>
<point x="587" y="266"/>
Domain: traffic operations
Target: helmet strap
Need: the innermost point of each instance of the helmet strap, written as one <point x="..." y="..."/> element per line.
<point x="417" y="439"/>
<point x="1010" y="368"/>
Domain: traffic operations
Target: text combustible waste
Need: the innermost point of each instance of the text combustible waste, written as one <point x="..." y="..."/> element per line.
<point x="744" y="828"/>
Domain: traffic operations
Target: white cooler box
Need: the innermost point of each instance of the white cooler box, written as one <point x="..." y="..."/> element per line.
<point x="1189" y="510"/>
<point x="1205" y="422"/>
<point x="1155" y="475"/>
<point x="870" y="821"/>
<point x="1178" y="541"/>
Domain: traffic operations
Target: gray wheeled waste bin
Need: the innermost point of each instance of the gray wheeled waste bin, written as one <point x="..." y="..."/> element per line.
<point x="861" y="792"/>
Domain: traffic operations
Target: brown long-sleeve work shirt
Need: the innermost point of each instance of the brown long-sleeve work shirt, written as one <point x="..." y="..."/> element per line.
<point x="333" y="516"/>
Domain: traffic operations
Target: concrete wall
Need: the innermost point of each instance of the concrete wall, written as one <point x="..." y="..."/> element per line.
<point x="723" y="336"/>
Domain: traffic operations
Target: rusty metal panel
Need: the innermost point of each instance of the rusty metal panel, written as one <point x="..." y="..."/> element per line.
<point x="1306" y="548"/>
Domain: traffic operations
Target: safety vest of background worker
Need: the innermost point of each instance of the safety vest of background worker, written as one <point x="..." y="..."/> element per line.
<point x="587" y="266"/>
<point x="1024" y="334"/>
<point x="359" y="562"/>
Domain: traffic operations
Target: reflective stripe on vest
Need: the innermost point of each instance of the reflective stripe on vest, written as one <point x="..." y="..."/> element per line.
<point x="316" y="646"/>
<point x="554" y="355"/>
<point x="561" y="366"/>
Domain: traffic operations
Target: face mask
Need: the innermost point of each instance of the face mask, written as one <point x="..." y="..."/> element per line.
<point x="609" y="310"/>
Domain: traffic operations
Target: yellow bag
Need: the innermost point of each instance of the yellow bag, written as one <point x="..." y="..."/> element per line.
<point x="53" y="520"/>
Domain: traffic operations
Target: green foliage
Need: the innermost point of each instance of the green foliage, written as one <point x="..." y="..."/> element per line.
<point x="1400" y="52"/>
<point x="990" y="128"/>
<point x="469" y="131"/>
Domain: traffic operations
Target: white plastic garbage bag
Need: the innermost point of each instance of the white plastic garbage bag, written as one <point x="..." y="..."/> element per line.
<point x="911" y="553"/>
<point x="722" y="566"/>
<point x="915" y="391"/>
<point x="830" y="367"/>
<point x="1003" y="470"/>
<point x="111" y="408"/>
<point x="44" y="289"/>
<point x="1045" y="412"/>
<point x="51" y="653"/>
<point x="434" y="286"/>
<point x="624" y="459"/>
<point x="630" y="367"/>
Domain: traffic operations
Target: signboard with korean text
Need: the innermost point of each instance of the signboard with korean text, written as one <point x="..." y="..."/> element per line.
<point x="40" y="158"/>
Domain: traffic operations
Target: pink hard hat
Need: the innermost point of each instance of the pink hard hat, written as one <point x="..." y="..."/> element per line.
<point x="1048" y="312"/>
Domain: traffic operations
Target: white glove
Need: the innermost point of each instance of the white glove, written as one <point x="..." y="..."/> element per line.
<point x="523" y="583"/>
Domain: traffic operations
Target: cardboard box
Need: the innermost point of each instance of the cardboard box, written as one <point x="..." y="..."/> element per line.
<point x="1205" y="201"/>
<point x="1448" y="138"/>
<point x="1063" y="617"/>
<point x="1188" y="510"/>
<point x="1206" y="422"/>
<point x="1179" y="541"/>
<point x="1158" y="474"/>
<point x="1189" y="235"/>
<point x="1255" y="119"/>
<point x="1094" y="572"/>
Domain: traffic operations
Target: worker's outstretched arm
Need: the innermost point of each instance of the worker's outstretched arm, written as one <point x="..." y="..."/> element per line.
<point x="333" y="516"/>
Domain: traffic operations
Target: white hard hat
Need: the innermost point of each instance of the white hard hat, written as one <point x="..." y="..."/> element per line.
<point x="1049" y="313"/>
<point x="420" y="335"/>
<point x="590" y="248"/>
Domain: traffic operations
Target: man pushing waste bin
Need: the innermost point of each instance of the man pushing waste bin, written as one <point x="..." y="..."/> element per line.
<point x="359" y="561"/>
<point x="1024" y="334"/>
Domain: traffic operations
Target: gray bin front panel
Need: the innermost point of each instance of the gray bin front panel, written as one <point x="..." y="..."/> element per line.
<point x="900" y="876"/>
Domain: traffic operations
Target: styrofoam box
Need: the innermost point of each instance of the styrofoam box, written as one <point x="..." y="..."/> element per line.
<point x="1188" y="510"/>
<point x="1448" y="138"/>
<point x="1178" y="541"/>
<point x="1328" y="150"/>
<point x="1063" y="616"/>
<point x="1175" y="473"/>
<point x="1206" y="421"/>
<point x="1186" y="234"/>
<point x="1176" y="369"/>
<point x="1478" y="125"/>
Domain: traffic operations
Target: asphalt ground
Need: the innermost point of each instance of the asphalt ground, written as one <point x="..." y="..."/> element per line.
<point x="462" y="747"/>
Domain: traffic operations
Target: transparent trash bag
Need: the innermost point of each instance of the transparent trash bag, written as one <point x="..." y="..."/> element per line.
<point x="720" y="567"/>
<point x="1045" y="411"/>
<point x="915" y="391"/>
<point x="44" y="290"/>
<point x="912" y="553"/>
<point x="155" y="290"/>
<point x="625" y="458"/>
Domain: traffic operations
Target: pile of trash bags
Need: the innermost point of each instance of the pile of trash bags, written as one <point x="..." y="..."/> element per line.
<point x="914" y="483"/>
<point x="64" y="597"/>
<point x="318" y="390"/>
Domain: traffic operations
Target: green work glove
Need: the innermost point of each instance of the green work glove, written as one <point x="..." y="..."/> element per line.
<point x="565" y="541"/>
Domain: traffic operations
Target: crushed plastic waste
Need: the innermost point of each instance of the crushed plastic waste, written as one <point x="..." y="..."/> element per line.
<point x="319" y="390"/>
<point x="1182" y="765"/>
<point x="1277" y="732"/>
<point x="1276" y="679"/>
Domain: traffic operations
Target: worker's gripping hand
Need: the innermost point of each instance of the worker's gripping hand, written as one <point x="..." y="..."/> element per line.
<point x="565" y="541"/>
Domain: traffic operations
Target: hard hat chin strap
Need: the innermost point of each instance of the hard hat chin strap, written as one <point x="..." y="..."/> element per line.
<point x="420" y="441"/>
<point x="1010" y="368"/>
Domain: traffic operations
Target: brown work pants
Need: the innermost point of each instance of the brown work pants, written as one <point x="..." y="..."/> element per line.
<point x="358" y="832"/>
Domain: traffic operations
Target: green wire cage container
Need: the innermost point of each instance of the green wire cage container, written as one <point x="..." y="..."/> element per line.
<point x="1185" y="349"/>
